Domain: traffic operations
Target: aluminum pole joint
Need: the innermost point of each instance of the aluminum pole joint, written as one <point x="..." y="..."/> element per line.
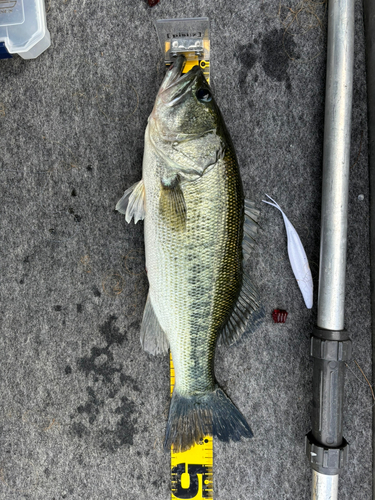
<point x="326" y="448"/>
<point x="330" y="345"/>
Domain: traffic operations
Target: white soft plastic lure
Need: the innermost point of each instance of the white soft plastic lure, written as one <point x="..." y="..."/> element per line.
<point x="298" y="258"/>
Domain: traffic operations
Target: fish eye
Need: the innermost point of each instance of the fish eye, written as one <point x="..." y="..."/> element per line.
<point x="203" y="95"/>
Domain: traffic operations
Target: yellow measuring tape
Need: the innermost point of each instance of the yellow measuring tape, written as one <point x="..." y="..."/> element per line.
<point x="192" y="470"/>
<point x="204" y="64"/>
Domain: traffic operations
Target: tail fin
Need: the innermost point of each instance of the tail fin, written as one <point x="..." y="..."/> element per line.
<point x="206" y="414"/>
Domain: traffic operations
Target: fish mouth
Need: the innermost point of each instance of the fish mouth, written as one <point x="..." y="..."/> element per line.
<point x="177" y="84"/>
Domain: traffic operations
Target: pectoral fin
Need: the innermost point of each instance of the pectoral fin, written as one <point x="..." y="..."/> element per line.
<point x="172" y="203"/>
<point x="132" y="203"/>
<point x="153" y="338"/>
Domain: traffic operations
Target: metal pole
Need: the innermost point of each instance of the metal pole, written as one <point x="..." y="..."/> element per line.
<point x="324" y="486"/>
<point x="330" y="345"/>
<point x="336" y="155"/>
<point x="369" y="18"/>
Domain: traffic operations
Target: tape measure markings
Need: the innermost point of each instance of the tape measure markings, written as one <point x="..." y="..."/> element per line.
<point x="192" y="470"/>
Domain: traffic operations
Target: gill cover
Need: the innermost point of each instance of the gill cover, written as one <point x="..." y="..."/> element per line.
<point x="185" y="126"/>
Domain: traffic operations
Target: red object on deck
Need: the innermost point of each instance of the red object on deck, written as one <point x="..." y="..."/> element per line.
<point x="279" y="315"/>
<point x="152" y="3"/>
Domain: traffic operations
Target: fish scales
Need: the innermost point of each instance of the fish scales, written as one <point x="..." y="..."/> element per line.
<point x="198" y="229"/>
<point x="195" y="274"/>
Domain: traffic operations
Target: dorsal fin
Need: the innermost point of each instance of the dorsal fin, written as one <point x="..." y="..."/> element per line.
<point x="250" y="227"/>
<point x="246" y="315"/>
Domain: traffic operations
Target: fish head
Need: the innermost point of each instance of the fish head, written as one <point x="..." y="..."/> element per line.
<point x="186" y="120"/>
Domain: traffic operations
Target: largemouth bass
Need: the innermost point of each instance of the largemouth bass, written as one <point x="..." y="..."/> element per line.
<point x="198" y="230"/>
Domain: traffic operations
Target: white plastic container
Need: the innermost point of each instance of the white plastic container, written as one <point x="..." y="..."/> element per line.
<point x="23" y="27"/>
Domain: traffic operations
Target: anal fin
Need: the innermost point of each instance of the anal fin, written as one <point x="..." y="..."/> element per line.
<point x="132" y="203"/>
<point x="246" y="315"/>
<point x="153" y="338"/>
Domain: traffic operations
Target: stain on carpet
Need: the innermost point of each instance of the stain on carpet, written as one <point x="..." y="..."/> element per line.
<point x="275" y="61"/>
<point x="107" y="388"/>
<point x="272" y="54"/>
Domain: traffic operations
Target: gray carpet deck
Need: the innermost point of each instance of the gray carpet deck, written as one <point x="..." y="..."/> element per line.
<point x="83" y="409"/>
